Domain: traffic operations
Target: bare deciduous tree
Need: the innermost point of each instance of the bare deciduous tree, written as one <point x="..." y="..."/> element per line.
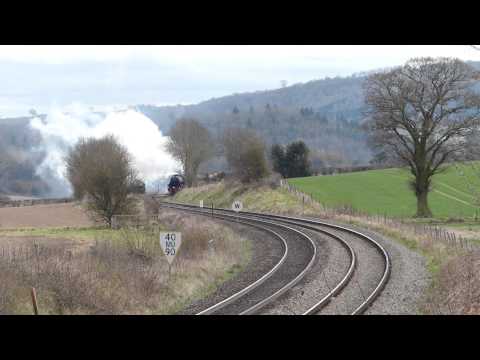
<point x="420" y="114"/>
<point x="245" y="153"/>
<point x="102" y="170"/>
<point x="191" y="144"/>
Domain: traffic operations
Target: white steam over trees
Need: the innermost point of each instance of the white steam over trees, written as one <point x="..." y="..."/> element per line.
<point x="62" y="128"/>
<point x="191" y="144"/>
<point x="421" y="114"/>
<point x="102" y="171"/>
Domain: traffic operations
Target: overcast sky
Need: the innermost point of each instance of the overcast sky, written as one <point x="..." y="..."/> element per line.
<point x="42" y="77"/>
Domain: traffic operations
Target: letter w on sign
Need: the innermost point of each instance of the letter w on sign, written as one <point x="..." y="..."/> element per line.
<point x="237" y="206"/>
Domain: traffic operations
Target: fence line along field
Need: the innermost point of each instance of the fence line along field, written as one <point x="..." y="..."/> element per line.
<point x="387" y="192"/>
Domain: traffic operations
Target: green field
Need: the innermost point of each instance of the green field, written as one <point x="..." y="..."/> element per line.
<point x="453" y="193"/>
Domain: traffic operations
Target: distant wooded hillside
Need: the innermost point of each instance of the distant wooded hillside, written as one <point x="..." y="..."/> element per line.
<point x="326" y="114"/>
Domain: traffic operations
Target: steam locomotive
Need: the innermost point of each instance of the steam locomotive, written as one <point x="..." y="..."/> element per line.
<point x="177" y="182"/>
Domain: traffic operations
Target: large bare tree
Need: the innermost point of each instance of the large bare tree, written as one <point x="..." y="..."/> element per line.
<point x="420" y="115"/>
<point x="191" y="144"/>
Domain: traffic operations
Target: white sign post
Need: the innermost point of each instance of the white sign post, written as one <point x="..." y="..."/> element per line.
<point x="237" y="206"/>
<point x="170" y="243"/>
<point x="201" y="203"/>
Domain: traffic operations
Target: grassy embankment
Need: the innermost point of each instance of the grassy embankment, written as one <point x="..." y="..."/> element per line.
<point x="445" y="263"/>
<point x="256" y="198"/>
<point x="104" y="271"/>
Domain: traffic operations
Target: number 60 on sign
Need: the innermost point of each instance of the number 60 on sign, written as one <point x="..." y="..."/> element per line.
<point x="170" y="242"/>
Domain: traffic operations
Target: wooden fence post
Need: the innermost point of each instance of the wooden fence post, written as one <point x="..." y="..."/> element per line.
<point x="34" y="301"/>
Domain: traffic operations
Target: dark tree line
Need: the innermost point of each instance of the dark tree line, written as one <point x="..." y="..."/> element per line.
<point x="291" y="161"/>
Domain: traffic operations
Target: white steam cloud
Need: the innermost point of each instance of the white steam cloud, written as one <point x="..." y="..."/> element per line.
<point x="61" y="129"/>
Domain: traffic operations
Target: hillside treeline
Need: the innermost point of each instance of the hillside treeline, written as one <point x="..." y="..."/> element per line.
<point x="325" y="114"/>
<point x="334" y="140"/>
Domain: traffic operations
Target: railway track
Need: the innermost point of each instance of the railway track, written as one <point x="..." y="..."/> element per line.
<point x="299" y="256"/>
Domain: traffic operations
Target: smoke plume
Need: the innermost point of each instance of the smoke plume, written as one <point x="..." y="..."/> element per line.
<point x="61" y="129"/>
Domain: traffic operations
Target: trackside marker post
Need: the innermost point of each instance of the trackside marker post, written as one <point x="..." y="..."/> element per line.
<point x="201" y="203"/>
<point x="170" y="243"/>
<point x="33" y="293"/>
<point x="237" y="206"/>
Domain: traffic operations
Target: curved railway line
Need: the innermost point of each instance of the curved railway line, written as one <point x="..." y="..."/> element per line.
<point x="299" y="255"/>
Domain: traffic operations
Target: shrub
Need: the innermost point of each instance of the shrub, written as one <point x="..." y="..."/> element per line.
<point x="102" y="170"/>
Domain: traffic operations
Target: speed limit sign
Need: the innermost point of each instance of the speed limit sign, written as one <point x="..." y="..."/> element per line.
<point x="170" y="242"/>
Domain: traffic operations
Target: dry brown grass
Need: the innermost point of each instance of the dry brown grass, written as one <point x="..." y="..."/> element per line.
<point x="122" y="274"/>
<point x="457" y="289"/>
